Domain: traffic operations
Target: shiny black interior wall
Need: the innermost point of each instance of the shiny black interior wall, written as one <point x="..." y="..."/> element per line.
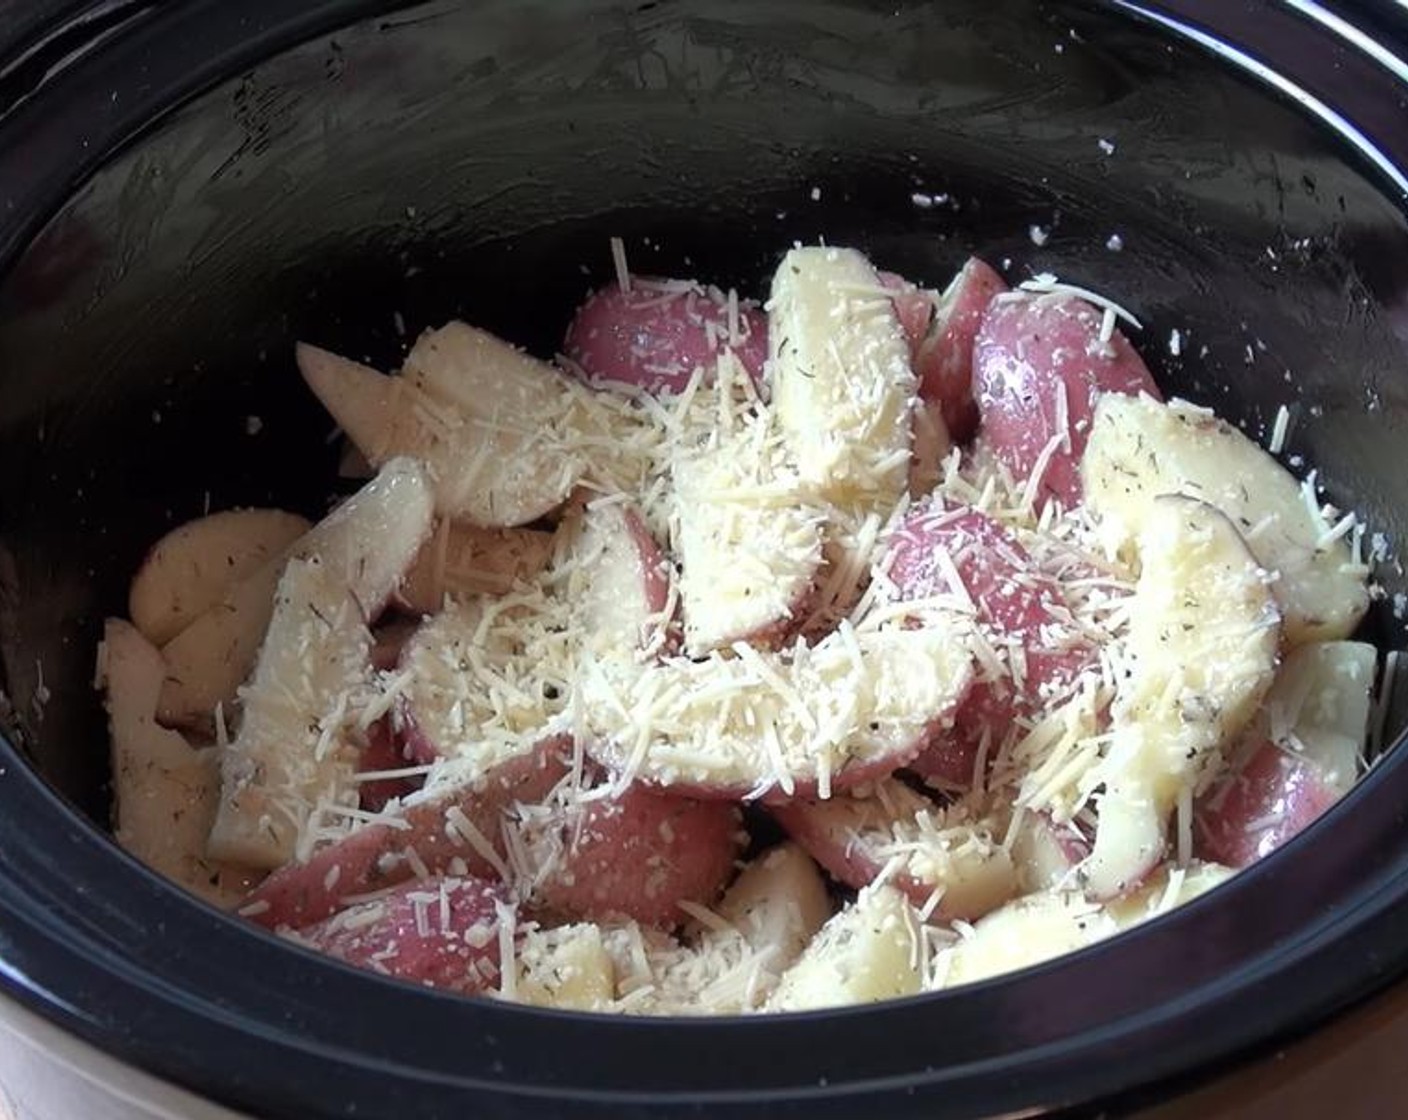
<point x="473" y="159"/>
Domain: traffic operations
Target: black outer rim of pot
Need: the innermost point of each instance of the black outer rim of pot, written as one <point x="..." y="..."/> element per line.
<point x="1292" y="941"/>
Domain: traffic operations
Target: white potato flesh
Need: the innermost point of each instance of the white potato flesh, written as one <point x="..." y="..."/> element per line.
<point x="567" y="967"/>
<point x="464" y="559"/>
<point x="748" y="541"/>
<point x="164" y="791"/>
<point x="1140" y="448"/>
<point x="296" y="751"/>
<point x="616" y="581"/>
<point x="778" y="902"/>
<point x="1203" y="641"/>
<point x="486" y="419"/>
<point x="1046" y="854"/>
<point x="1166" y="889"/>
<point x="869" y="952"/>
<point x="208" y="661"/>
<point x="1319" y="707"/>
<point x="1024" y="932"/>
<point x="855" y="706"/>
<point x="191" y="569"/>
<point x="842" y="386"/>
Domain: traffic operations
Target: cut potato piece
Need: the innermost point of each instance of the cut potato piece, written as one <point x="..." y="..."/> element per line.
<point x="748" y="541"/>
<point x="854" y="707"/>
<point x="192" y="568"/>
<point x="617" y="582"/>
<point x="295" y="753"/>
<point x="567" y="967"/>
<point x="1165" y="890"/>
<point x="362" y="539"/>
<point x="1025" y="932"/>
<point x="164" y="791"/>
<point x="1302" y="754"/>
<point x="487" y="419"/>
<point x="482" y="678"/>
<point x="778" y="902"/>
<point x="947" y="860"/>
<point x="1203" y="640"/>
<point x="1139" y="448"/>
<point x="463" y="559"/>
<point x="842" y="386"/>
<point x="1046" y="854"/>
<point x="870" y="951"/>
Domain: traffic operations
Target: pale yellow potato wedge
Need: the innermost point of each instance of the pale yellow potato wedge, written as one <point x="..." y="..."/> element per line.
<point x="464" y="559"/>
<point x="296" y="751"/>
<point x="164" y="790"/>
<point x="192" y="568"/>
<point x="1203" y="641"/>
<point x="1140" y="448"/>
<point x="567" y="967"/>
<point x="778" y="903"/>
<point x="870" y="951"/>
<point x="488" y="420"/>
<point x="1024" y="932"/>
<point x="748" y="540"/>
<point x="842" y="386"/>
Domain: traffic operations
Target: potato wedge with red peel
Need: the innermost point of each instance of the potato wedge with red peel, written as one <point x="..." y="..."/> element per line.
<point x="441" y="830"/>
<point x="1305" y="754"/>
<point x="941" y="329"/>
<point x="778" y="902"/>
<point x="1203" y="642"/>
<point x="443" y="933"/>
<point x="1046" y="854"/>
<point x="653" y="336"/>
<point x="636" y="854"/>
<point x="362" y="543"/>
<point x="870" y="951"/>
<point x="617" y="582"/>
<point x="192" y="568"/>
<point x="1139" y="448"/>
<point x="950" y="862"/>
<point x="483" y="677"/>
<point x="857" y="705"/>
<point x="1035" y="653"/>
<point x="383" y="753"/>
<point x="842" y="386"/>
<point x="295" y="752"/>
<point x="164" y="790"/>
<point x="486" y="419"/>
<point x="1040" y="365"/>
<point x="463" y="559"/>
<point x="749" y="542"/>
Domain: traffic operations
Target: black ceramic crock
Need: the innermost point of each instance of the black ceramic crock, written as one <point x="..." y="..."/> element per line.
<point x="187" y="188"/>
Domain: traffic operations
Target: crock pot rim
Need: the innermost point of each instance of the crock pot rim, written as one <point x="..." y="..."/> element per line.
<point x="1367" y="919"/>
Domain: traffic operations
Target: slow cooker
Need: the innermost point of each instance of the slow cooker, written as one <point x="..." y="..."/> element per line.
<point x="187" y="188"/>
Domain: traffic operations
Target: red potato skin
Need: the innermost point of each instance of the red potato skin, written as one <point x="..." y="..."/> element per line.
<point x="642" y="338"/>
<point x="1272" y="783"/>
<point x="374" y="857"/>
<point x="461" y="955"/>
<point x="941" y="329"/>
<point x="1029" y="344"/>
<point x="1014" y="600"/>
<point x="658" y="578"/>
<point x="640" y="855"/>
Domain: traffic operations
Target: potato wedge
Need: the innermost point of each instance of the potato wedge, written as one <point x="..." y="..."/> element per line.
<point x="1140" y="448"/>
<point x="1203" y="640"/>
<point x="191" y="569"/>
<point x="164" y="790"/>
<point x="778" y="902"/>
<point x="1024" y="932"/>
<point x="483" y="416"/>
<point x="463" y="559"/>
<point x="868" y="952"/>
<point x="748" y="540"/>
<point x="842" y="386"/>
<point x="950" y="862"/>
<point x="566" y="967"/>
<point x="295" y="751"/>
